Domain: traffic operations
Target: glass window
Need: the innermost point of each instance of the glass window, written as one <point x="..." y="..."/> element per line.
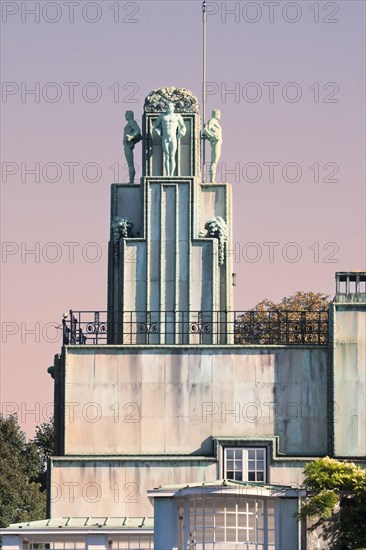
<point x="230" y="523"/>
<point x="245" y="464"/>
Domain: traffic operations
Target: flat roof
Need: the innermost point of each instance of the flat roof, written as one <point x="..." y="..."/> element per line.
<point x="229" y="486"/>
<point x="87" y="523"/>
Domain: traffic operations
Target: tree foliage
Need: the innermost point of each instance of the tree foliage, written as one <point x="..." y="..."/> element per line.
<point x="300" y="318"/>
<point x="299" y="301"/>
<point x="330" y="482"/>
<point x="22" y="472"/>
<point x="44" y="442"/>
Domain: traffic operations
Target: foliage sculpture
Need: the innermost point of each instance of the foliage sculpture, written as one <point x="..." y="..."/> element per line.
<point x="217" y="229"/>
<point x="183" y="99"/>
<point x="121" y="229"/>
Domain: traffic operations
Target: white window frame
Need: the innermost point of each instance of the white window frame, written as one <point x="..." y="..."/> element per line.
<point x="246" y="456"/>
<point x="243" y="523"/>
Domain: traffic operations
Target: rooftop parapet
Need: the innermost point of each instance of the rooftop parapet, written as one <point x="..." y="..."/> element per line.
<point x="199" y="328"/>
<point x="350" y="286"/>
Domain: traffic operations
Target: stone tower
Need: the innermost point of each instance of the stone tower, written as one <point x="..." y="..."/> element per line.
<point x="170" y="276"/>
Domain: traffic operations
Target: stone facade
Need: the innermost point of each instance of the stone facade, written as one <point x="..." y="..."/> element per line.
<point x="168" y="266"/>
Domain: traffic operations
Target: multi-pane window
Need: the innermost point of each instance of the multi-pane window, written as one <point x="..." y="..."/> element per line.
<point x="131" y="542"/>
<point x="119" y="542"/>
<point x="225" y="522"/>
<point x="60" y="543"/>
<point x="245" y="464"/>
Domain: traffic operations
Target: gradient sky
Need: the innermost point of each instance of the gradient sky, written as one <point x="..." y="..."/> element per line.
<point x="311" y="51"/>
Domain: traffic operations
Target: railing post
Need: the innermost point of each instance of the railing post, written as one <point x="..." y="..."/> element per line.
<point x="229" y="330"/>
<point x="357" y="287"/>
<point x="303" y="327"/>
<point x="338" y="285"/>
<point x="96" y="324"/>
<point x="72" y="328"/>
<point x="65" y="333"/>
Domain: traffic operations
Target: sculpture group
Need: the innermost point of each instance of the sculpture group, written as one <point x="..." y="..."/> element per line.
<point x="170" y="127"/>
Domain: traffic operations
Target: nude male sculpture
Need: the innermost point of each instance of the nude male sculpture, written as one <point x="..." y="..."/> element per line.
<point x="213" y="132"/>
<point x="170" y="126"/>
<point x="131" y="136"/>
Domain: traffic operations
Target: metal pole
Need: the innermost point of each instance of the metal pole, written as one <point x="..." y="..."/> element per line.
<point x="204" y="95"/>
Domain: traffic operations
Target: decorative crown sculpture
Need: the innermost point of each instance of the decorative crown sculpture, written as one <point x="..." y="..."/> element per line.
<point x="183" y="99"/>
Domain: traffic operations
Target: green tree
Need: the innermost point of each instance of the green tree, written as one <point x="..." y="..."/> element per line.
<point x="329" y="482"/>
<point x="299" y="301"/>
<point x="22" y="471"/>
<point x="300" y="318"/>
<point x="44" y="442"/>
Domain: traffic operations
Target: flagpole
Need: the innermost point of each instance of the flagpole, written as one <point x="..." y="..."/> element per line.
<point x="204" y="95"/>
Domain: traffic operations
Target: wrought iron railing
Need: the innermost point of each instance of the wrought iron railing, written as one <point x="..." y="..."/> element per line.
<point x="85" y="327"/>
<point x="175" y="327"/>
<point x="281" y="327"/>
<point x="197" y="327"/>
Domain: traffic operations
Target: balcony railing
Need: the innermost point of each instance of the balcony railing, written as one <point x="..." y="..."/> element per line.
<point x="197" y="327"/>
<point x="85" y="327"/>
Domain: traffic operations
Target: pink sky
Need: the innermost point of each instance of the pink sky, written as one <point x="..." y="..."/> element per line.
<point x="306" y="69"/>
